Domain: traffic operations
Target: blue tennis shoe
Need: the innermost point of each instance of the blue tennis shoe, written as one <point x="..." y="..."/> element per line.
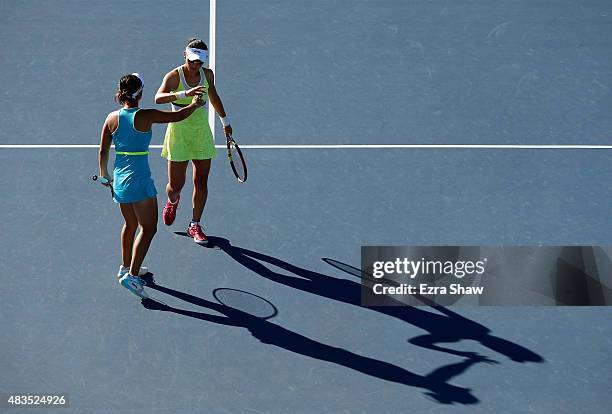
<point x="134" y="284"/>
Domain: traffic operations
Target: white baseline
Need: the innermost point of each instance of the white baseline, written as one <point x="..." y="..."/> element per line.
<point x="332" y="146"/>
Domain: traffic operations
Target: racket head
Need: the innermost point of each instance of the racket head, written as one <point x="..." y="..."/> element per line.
<point x="245" y="302"/>
<point x="236" y="159"/>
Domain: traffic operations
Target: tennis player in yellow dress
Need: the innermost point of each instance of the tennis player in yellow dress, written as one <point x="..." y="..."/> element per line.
<point x="190" y="139"/>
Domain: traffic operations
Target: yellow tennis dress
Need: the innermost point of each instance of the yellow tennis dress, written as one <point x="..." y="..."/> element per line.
<point x="191" y="138"/>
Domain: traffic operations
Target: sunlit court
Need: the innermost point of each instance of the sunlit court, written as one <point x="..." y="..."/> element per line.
<point x="461" y="145"/>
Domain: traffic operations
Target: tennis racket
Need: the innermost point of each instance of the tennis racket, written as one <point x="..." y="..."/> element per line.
<point x="236" y="159"/>
<point x="105" y="181"/>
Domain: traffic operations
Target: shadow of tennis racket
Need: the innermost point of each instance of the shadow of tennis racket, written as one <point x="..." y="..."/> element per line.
<point x="246" y="302"/>
<point x="234" y="301"/>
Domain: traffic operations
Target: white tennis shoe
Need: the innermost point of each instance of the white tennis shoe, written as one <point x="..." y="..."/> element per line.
<point x="134" y="284"/>
<point x="125" y="270"/>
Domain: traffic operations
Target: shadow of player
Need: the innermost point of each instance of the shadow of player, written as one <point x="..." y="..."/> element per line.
<point x="435" y="383"/>
<point x="443" y="326"/>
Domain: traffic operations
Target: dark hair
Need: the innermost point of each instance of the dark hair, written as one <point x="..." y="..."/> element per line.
<point x="197" y="43"/>
<point x="128" y="85"/>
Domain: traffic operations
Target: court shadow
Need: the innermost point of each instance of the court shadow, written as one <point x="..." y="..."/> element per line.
<point x="434" y="384"/>
<point x="443" y="326"/>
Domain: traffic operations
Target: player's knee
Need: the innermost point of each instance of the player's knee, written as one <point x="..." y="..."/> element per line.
<point x="149" y="230"/>
<point x="130" y="227"/>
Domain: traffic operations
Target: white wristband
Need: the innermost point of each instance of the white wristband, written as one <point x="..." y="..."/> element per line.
<point x="225" y="121"/>
<point x="181" y="95"/>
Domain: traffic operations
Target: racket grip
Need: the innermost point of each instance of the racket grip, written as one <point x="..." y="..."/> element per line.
<point x="103" y="180"/>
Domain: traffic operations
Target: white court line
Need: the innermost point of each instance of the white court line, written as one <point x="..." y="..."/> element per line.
<point x="212" y="50"/>
<point x="346" y="146"/>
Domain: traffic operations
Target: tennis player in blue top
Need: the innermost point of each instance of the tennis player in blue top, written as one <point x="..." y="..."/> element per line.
<point x="129" y="129"/>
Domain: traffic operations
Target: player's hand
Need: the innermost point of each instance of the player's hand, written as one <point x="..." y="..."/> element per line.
<point x="105" y="180"/>
<point x="198" y="90"/>
<point x="198" y="100"/>
<point x="227" y="130"/>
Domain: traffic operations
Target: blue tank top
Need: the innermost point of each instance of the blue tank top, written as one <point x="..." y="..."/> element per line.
<point x="134" y="164"/>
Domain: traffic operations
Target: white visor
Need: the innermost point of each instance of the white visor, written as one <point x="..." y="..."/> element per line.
<point x="196" y="54"/>
<point x="135" y="94"/>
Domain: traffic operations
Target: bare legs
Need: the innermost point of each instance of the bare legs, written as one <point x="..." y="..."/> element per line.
<point x="176" y="178"/>
<point x="134" y="249"/>
<point x="201" y="168"/>
<point x="128" y="232"/>
<point x="177" y="172"/>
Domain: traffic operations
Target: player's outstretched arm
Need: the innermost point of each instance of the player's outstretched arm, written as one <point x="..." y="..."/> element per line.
<point x="147" y="117"/>
<point x="170" y="83"/>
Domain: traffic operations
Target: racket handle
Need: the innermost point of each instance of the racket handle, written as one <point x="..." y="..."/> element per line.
<point x="103" y="180"/>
